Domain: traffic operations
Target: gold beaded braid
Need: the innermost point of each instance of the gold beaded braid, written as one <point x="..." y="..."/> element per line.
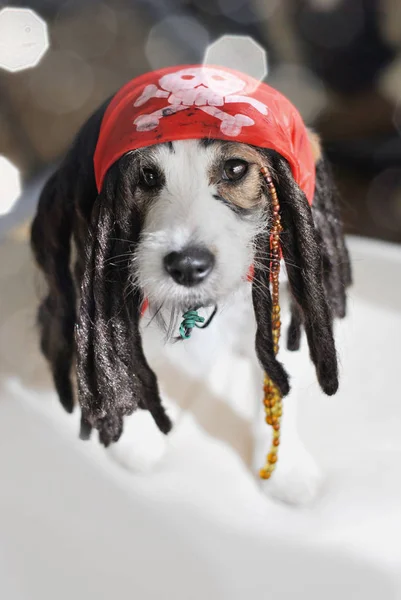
<point x="272" y="397"/>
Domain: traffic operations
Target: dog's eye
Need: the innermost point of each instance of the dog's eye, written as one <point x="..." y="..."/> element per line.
<point x="150" y="178"/>
<point x="234" y="169"/>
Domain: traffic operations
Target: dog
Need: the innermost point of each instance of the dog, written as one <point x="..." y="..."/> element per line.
<point x="158" y="209"/>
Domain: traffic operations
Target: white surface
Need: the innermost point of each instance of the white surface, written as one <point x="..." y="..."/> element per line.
<point x="74" y="525"/>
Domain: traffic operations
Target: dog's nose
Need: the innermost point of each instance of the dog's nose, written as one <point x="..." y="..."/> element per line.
<point x="189" y="266"/>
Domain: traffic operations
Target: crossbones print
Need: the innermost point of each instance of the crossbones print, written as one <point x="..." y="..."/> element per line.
<point x="207" y="89"/>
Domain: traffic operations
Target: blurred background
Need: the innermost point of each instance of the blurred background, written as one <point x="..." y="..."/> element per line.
<point x="339" y="61"/>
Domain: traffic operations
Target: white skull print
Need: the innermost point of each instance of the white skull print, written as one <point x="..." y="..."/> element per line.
<point x="206" y="88"/>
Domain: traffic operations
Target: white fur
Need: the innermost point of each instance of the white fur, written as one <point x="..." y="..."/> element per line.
<point x="186" y="212"/>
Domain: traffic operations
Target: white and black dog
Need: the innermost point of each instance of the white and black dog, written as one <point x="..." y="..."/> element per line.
<point x="179" y="223"/>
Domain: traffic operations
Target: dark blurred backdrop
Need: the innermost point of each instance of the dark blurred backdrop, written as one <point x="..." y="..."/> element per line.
<point x="339" y="61"/>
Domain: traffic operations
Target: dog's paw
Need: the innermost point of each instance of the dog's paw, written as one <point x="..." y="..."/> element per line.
<point x="142" y="446"/>
<point x="295" y="481"/>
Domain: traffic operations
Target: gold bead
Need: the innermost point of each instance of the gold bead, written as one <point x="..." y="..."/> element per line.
<point x="263" y="474"/>
<point x="271" y="457"/>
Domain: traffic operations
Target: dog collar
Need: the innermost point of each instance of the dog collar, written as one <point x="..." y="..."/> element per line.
<point x="202" y="101"/>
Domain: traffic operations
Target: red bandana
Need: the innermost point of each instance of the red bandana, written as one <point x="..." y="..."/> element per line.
<point x="195" y="101"/>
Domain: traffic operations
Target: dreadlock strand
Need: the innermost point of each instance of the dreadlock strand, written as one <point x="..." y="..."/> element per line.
<point x="84" y="335"/>
<point x="295" y="327"/>
<point x="301" y="251"/>
<point x="326" y="215"/>
<point x="262" y="304"/>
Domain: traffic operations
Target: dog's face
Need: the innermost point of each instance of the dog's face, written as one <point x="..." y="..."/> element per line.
<point x="202" y="204"/>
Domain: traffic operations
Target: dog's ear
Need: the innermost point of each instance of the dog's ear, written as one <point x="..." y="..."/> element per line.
<point x="114" y="378"/>
<point x="303" y="248"/>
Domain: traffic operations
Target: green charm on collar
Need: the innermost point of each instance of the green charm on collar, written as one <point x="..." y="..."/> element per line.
<point x="190" y="320"/>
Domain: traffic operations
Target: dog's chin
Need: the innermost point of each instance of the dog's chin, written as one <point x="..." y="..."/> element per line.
<point x="179" y="303"/>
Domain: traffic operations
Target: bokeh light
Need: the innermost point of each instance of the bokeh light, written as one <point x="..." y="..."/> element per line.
<point x="389" y="83"/>
<point x="172" y="39"/>
<point x="324" y="5"/>
<point x="300" y="86"/>
<point x="239" y="52"/>
<point x="332" y="24"/>
<point x="10" y="185"/>
<point x="76" y="88"/>
<point x="71" y="28"/>
<point x="390" y="19"/>
<point x="23" y="39"/>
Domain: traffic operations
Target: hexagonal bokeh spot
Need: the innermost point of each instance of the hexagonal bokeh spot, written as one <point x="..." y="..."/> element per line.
<point x="10" y="187"/>
<point x="23" y="39"/>
<point x="239" y="52"/>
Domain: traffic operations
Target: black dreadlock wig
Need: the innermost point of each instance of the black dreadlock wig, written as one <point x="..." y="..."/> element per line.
<point x="88" y="324"/>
